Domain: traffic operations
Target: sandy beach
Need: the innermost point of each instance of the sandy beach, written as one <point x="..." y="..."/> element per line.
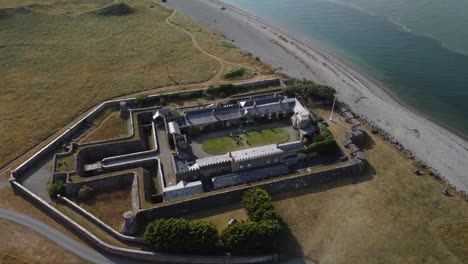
<point x="301" y="58"/>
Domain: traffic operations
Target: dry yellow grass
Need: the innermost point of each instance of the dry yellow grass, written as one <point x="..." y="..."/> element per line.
<point x="390" y="216"/>
<point x="110" y="206"/>
<point x="50" y="76"/>
<point x="108" y="127"/>
<point x="22" y="245"/>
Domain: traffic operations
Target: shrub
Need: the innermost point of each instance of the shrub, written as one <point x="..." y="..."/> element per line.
<point x="258" y="204"/>
<point x="323" y="143"/>
<point x="309" y="88"/>
<point x="235" y="72"/>
<point x="241" y="237"/>
<point x="169" y="235"/>
<point x="85" y="193"/>
<point x="57" y="188"/>
<point x="203" y="237"/>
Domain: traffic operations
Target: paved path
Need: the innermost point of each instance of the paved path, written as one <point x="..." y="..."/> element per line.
<point x="61" y="239"/>
<point x="36" y="178"/>
<point x="165" y="156"/>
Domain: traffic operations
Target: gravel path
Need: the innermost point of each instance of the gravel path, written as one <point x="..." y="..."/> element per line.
<point x="301" y="58"/>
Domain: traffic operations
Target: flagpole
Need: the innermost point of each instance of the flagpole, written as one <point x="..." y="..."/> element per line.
<point x="333" y="108"/>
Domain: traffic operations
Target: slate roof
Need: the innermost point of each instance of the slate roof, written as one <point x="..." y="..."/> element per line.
<point x="212" y="115"/>
<point x="249" y="176"/>
<point x="291" y="146"/>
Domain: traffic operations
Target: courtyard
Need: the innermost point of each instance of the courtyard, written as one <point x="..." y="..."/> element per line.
<point x="254" y="135"/>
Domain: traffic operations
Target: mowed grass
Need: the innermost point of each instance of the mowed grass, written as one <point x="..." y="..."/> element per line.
<point x="222" y="145"/>
<point x="266" y="136"/>
<point x="389" y="216"/>
<point x="55" y="66"/>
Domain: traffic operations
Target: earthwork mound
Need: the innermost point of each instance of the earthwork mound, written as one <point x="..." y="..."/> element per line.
<point x="119" y="9"/>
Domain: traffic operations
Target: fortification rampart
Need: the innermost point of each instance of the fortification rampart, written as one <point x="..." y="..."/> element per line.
<point x="233" y="195"/>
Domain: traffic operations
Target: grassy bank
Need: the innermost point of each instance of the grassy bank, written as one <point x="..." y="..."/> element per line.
<point x="58" y="59"/>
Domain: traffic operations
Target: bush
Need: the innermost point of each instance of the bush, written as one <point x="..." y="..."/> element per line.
<point x="310" y="89"/>
<point x="323" y="143"/>
<point x="57" y="188"/>
<point x="168" y="235"/>
<point x="258" y="204"/>
<point x="85" y="193"/>
<point x="179" y="235"/>
<point x="203" y="237"/>
<point x="242" y="237"/>
<point x="235" y="72"/>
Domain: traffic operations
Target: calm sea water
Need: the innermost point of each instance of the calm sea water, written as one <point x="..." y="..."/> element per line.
<point x="419" y="70"/>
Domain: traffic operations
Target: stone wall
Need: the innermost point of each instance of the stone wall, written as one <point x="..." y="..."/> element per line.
<point x="101" y="184"/>
<point x="227" y="196"/>
<point x="135" y="254"/>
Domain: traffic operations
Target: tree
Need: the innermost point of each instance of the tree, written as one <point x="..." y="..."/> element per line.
<point x="241" y="237"/>
<point x="85" y="193"/>
<point x="203" y="237"/>
<point x="169" y="235"/>
<point x="258" y="204"/>
<point x="57" y="188"/>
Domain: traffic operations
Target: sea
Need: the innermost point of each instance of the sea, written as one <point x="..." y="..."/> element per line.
<point x="417" y="49"/>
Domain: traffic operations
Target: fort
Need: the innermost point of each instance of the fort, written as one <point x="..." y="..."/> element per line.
<point x="166" y="160"/>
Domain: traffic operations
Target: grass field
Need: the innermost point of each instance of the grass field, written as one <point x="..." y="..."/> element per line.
<point x="110" y="206"/>
<point x="250" y="139"/>
<point x="57" y="59"/>
<point x="109" y="127"/>
<point x="21" y="245"/>
<point x="390" y="216"/>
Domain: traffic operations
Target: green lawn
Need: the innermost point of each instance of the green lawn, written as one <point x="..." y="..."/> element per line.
<point x="222" y="145"/>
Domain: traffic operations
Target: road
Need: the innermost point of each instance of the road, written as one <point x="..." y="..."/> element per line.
<point x="61" y="239"/>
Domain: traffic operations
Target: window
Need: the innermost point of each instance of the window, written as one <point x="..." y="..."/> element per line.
<point x="241" y="166"/>
<point x="249" y="165"/>
<point x="276" y="160"/>
<point x="268" y="161"/>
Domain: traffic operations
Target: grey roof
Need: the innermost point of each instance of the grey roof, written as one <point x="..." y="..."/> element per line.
<point x="174" y="128"/>
<point x="208" y="161"/>
<point x="299" y="108"/>
<point x="251" y="153"/>
<point x="212" y="115"/>
<point x="265" y="109"/>
<point x="291" y="146"/>
<point x="161" y="112"/>
<point x="249" y="176"/>
<point x="183" y="189"/>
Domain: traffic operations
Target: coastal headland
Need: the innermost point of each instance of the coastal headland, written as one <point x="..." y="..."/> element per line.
<point x="301" y="58"/>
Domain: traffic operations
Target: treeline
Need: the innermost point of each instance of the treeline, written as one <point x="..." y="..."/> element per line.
<point x="310" y="89"/>
<point x="256" y="235"/>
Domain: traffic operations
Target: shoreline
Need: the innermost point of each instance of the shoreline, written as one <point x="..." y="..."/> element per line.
<point x="347" y="67"/>
<point x="299" y="57"/>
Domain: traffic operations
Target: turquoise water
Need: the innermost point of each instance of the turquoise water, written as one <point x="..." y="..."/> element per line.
<point x="421" y="72"/>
